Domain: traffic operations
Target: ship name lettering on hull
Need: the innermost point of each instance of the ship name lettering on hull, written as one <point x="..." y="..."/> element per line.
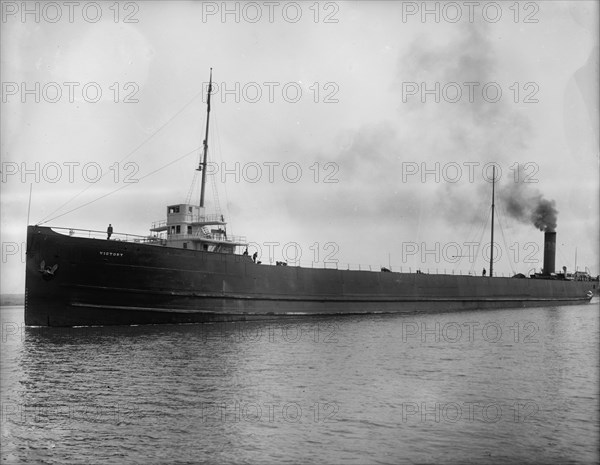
<point x="112" y="254"/>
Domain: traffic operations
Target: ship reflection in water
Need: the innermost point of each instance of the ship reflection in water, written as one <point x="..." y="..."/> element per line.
<point x="493" y="386"/>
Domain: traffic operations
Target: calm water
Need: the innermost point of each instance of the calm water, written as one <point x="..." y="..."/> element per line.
<point x="501" y="386"/>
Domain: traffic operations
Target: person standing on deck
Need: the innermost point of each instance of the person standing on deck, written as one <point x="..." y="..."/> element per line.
<point x="109" y="231"/>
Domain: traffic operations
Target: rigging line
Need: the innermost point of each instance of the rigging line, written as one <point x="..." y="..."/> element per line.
<point x="478" y="242"/>
<point x="188" y="199"/>
<point x="217" y="204"/>
<point x="29" y="203"/>
<point x="461" y="256"/>
<point x="165" y="124"/>
<point x="220" y="155"/>
<point x="126" y="156"/>
<point x="476" y="230"/>
<point x="216" y="201"/>
<point x="121" y="187"/>
<point x="501" y="217"/>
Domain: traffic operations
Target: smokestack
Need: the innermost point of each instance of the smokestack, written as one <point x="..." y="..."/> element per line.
<point x="549" y="253"/>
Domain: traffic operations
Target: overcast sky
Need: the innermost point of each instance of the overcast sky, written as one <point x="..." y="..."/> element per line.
<point x="342" y="105"/>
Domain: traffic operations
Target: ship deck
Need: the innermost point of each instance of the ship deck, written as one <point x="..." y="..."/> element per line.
<point x="327" y="264"/>
<point x="115" y="236"/>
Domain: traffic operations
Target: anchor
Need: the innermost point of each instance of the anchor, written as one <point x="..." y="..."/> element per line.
<point x="47" y="271"/>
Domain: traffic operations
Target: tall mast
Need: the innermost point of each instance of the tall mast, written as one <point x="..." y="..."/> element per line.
<point x="492" y="240"/>
<point x="202" y="166"/>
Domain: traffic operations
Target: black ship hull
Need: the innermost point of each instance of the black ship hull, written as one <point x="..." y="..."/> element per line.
<point x="73" y="281"/>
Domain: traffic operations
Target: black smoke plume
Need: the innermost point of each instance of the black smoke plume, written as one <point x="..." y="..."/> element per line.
<point x="527" y="205"/>
<point x="544" y="215"/>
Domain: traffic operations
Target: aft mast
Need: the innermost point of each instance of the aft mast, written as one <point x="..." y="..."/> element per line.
<point x="492" y="239"/>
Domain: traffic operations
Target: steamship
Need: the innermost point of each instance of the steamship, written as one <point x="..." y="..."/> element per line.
<point x="189" y="270"/>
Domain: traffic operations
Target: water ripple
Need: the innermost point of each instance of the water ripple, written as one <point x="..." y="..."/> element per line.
<point x="512" y="386"/>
